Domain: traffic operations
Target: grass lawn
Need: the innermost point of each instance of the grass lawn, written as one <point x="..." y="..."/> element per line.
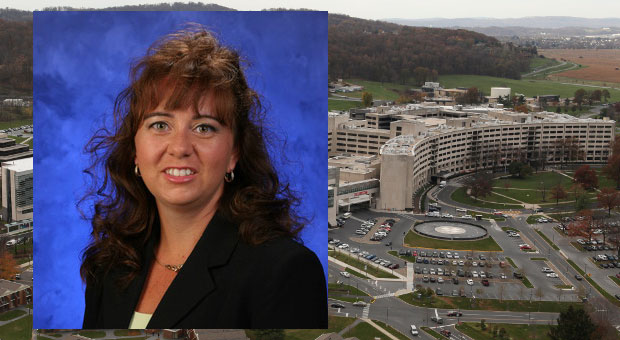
<point x="527" y="87"/>
<point x="404" y="257"/>
<point x="512" y="263"/>
<point x="533" y="181"/>
<point x="577" y="246"/>
<point x="548" y="240"/>
<point x="342" y="289"/>
<point x="615" y="279"/>
<point x="12" y="314"/>
<point x="356" y="273"/>
<point x="486" y="244"/>
<point x="537" y="63"/>
<point x="379" y="90"/>
<point x="433" y="333"/>
<point x="513" y="331"/>
<point x="538" y="259"/>
<point x="372" y="270"/>
<point x="17" y="330"/>
<point x="445" y="302"/>
<point x="15" y="123"/>
<point x="460" y="195"/>
<point x="335" y="324"/>
<point x="391" y="330"/>
<point x="363" y="331"/>
<point x="527" y="282"/>
<point x="41" y="337"/>
<point x="342" y="105"/>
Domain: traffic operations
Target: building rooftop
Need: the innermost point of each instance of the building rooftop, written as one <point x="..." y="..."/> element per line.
<point x="24" y="164"/>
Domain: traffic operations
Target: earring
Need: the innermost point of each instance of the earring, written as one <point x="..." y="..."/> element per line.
<point x="137" y="171"/>
<point x="229" y="177"/>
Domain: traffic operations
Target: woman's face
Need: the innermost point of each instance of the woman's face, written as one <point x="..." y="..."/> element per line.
<point x="183" y="156"/>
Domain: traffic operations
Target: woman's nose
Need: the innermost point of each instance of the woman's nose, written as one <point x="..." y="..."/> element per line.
<point x="180" y="144"/>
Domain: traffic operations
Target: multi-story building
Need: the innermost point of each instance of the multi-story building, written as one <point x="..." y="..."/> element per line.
<point x="17" y="190"/>
<point x="428" y="142"/>
<point x="14" y="294"/>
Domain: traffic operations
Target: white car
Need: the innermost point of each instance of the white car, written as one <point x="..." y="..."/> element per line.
<point x="439" y="280"/>
<point x="461" y="210"/>
<point x="470" y="282"/>
<point x="467" y="217"/>
<point x="461" y="263"/>
<point x="456" y="255"/>
<point x="11" y="242"/>
<point x="414" y="330"/>
<point x="474" y="274"/>
<point x="502" y="276"/>
<point x="552" y="275"/>
<point x="345" y="274"/>
<point x="343" y="246"/>
<point x="359" y="304"/>
<point x="547" y="270"/>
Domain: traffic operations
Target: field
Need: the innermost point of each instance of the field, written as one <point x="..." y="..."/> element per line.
<point x="527" y="87"/>
<point x="601" y="64"/>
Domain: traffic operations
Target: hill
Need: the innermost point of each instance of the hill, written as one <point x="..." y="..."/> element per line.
<point x="383" y="51"/>
<point x="16" y="57"/>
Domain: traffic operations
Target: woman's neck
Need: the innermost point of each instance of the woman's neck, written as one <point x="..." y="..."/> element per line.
<point x="181" y="229"/>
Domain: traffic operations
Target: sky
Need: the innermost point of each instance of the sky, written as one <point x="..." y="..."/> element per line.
<point x="405" y="9"/>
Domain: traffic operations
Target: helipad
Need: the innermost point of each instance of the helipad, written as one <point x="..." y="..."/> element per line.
<point x="451" y="230"/>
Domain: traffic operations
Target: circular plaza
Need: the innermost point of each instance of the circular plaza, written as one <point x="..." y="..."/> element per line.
<point x="451" y="230"/>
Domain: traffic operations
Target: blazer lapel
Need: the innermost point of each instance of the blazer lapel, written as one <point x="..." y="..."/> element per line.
<point x="123" y="302"/>
<point x="194" y="281"/>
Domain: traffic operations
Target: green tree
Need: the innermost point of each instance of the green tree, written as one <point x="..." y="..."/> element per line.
<point x="581" y="203"/>
<point x="605" y="94"/>
<point x="573" y="324"/>
<point x="519" y="169"/>
<point x="367" y="99"/>
<point x="580" y="95"/>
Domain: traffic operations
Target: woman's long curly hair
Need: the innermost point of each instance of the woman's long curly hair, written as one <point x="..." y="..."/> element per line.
<point x="183" y="67"/>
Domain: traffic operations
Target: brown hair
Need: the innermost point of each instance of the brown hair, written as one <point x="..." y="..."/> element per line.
<point x="187" y="65"/>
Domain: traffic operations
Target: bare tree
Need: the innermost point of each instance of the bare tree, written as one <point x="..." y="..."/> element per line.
<point x="500" y="291"/>
<point x="539" y="293"/>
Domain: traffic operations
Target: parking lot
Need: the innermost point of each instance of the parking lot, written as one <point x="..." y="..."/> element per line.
<point x="435" y="268"/>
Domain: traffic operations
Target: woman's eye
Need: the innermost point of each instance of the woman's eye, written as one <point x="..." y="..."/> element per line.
<point x="159" y="126"/>
<point x="203" y="128"/>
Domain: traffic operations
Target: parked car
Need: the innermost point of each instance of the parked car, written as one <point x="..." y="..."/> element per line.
<point x="485" y="282"/>
<point x="552" y="275"/>
<point x="345" y="274"/>
<point x="337" y="305"/>
<point x="359" y="304"/>
<point x="470" y="282"/>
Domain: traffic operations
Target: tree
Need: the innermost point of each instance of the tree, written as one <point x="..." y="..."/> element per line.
<point x="580" y="95"/>
<point x="367" y="99"/>
<point x="595" y="96"/>
<point x="612" y="169"/>
<point x="581" y="203"/>
<point x="608" y="198"/>
<point x="8" y="266"/>
<point x="519" y="169"/>
<point x="478" y="185"/>
<point x="539" y="293"/>
<point x="605" y="94"/>
<point x="573" y="324"/>
<point x="558" y="193"/>
<point x="586" y="176"/>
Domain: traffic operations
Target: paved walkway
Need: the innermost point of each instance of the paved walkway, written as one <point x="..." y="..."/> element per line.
<point x="27" y="310"/>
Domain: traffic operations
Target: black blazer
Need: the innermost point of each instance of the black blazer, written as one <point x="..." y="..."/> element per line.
<point x="224" y="283"/>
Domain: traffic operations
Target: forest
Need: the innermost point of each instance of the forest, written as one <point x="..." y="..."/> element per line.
<point x="16" y="57"/>
<point x="381" y="51"/>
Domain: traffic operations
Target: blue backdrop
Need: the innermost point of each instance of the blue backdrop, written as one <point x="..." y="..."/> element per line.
<point x="81" y="62"/>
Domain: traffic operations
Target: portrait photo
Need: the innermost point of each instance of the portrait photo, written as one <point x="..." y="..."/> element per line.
<point x="180" y="170"/>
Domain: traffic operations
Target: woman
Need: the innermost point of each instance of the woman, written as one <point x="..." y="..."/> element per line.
<point x="191" y="227"/>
